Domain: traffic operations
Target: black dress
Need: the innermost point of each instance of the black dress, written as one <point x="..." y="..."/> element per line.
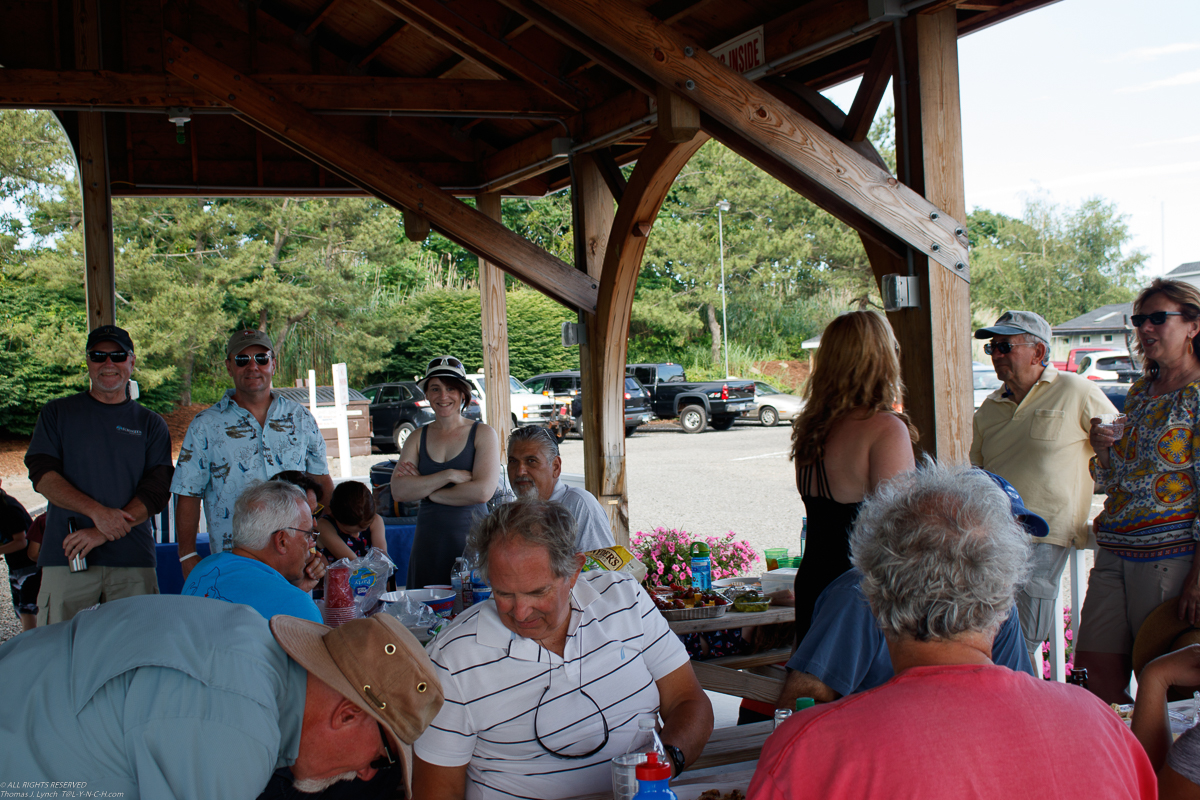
<point x="441" y="530"/>
<point x="827" y="550"/>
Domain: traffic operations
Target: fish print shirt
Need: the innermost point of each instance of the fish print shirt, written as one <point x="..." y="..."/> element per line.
<point x="225" y="450"/>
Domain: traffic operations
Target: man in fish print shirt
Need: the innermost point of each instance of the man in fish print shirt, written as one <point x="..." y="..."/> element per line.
<point x="250" y="434"/>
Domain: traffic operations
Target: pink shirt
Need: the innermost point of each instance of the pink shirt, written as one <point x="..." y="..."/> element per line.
<point x="956" y="732"/>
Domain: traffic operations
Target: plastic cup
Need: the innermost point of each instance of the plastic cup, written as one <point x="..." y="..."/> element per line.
<point x="1113" y="424"/>
<point x="624" y="775"/>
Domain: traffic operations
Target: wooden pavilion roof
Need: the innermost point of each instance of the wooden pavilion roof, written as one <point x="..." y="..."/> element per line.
<point x="474" y="96"/>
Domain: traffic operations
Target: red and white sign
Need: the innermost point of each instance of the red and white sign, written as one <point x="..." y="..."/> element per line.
<point x="742" y="53"/>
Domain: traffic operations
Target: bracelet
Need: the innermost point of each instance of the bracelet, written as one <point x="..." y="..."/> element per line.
<point x="189" y="555"/>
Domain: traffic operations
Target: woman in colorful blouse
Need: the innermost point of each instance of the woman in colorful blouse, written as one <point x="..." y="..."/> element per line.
<point x="1148" y="529"/>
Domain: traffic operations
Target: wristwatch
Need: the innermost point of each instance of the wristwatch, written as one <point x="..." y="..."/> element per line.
<point x="678" y="760"/>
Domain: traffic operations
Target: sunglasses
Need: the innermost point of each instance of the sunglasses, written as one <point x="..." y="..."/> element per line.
<point x="1157" y="318"/>
<point x="100" y="356"/>
<point x="1004" y="347"/>
<point x="444" y="361"/>
<point x="317" y="511"/>
<point x="388" y="758"/>
<point x="262" y="359"/>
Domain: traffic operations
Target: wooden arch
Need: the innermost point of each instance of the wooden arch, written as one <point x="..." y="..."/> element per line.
<point x="603" y="363"/>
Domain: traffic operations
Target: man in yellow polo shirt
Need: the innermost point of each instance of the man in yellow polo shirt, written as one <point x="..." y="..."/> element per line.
<point x="1033" y="432"/>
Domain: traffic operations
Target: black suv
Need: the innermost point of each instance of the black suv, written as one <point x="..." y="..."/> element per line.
<point x="563" y="385"/>
<point x="398" y="409"/>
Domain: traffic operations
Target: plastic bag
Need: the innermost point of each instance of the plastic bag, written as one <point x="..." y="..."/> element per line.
<point x="368" y="577"/>
<point x="419" y="618"/>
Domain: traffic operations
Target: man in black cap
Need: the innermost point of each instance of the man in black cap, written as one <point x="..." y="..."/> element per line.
<point x="103" y="460"/>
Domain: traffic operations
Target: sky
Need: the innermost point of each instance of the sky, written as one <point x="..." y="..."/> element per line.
<point x="1082" y="99"/>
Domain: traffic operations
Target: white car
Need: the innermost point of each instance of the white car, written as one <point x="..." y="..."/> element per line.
<point x="984" y="381"/>
<point x="527" y="408"/>
<point x="772" y="405"/>
<point x="1107" y="365"/>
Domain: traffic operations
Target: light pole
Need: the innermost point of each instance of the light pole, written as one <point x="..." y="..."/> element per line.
<point x="723" y="205"/>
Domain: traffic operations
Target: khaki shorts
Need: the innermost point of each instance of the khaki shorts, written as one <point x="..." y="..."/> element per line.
<point x="64" y="593"/>
<point x="1121" y="594"/>
<point x="1037" y="604"/>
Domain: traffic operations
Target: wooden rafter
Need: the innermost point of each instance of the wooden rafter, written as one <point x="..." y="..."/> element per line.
<point x="386" y="38"/>
<point x="292" y="125"/>
<point x="38" y="88"/>
<point x="856" y="188"/>
<point x="319" y="17"/>
<point x="443" y="22"/>
<point x="870" y="91"/>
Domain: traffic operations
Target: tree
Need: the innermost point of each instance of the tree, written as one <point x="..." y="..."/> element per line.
<point x="1057" y="262"/>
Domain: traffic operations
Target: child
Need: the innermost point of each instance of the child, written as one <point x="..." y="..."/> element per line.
<point x="20" y="543"/>
<point x="351" y="527"/>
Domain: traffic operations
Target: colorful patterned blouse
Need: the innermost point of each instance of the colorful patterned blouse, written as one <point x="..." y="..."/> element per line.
<point x="1151" y="482"/>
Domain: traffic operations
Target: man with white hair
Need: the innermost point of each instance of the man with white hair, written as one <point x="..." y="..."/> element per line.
<point x="266" y="569"/>
<point x="534" y="466"/>
<point x="1033" y="432"/>
<point x="941" y="558"/>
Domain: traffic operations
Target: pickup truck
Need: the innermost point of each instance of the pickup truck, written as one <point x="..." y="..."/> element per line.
<point x="697" y="405"/>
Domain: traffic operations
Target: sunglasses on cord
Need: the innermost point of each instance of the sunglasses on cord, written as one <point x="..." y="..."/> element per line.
<point x="444" y="361"/>
<point x="1004" y="347"/>
<point x="1156" y="318"/>
<point x="100" y="356"/>
<point x="262" y="359"/>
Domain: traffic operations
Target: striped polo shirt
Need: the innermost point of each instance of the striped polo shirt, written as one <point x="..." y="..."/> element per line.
<point x="496" y="684"/>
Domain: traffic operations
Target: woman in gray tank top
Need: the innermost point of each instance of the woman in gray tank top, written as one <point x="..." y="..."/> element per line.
<point x="453" y="468"/>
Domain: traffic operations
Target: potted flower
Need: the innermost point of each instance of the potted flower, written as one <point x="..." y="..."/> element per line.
<point x="667" y="554"/>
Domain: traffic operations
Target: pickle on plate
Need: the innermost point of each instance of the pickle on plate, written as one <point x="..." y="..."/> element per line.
<point x="751" y="601"/>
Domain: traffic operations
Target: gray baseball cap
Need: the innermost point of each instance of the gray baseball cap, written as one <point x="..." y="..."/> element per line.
<point x="1013" y="322"/>
<point x="243" y="339"/>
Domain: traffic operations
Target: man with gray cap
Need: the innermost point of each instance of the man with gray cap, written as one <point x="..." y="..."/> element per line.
<point x="104" y="461"/>
<point x="169" y="696"/>
<point x="250" y="434"/>
<point x="1033" y="432"/>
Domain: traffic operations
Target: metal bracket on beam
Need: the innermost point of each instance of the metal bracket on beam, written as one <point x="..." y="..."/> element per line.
<point x="885" y="10"/>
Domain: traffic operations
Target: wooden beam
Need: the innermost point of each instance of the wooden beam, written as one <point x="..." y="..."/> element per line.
<point x="611" y="172"/>
<point x="295" y="127"/>
<point x="494" y="310"/>
<point x="376" y="47"/>
<point x="678" y="117"/>
<point x="749" y="110"/>
<point x="92" y="89"/>
<point x="416" y="227"/>
<point x="935" y="339"/>
<point x="459" y="33"/>
<point x="100" y="277"/>
<point x="319" y="17"/>
<point x="870" y="91"/>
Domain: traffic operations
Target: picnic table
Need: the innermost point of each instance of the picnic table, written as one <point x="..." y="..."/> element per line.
<point x="755" y="676"/>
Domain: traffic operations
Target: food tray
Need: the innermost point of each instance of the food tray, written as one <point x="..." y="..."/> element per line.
<point x="700" y="612"/>
<point x="766" y="601"/>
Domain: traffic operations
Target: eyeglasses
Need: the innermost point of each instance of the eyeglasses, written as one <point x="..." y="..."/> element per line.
<point x="262" y="359"/>
<point x="1156" y="318"/>
<point x="100" y="356"/>
<point x="388" y="758"/>
<point x="310" y="535"/>
<point x="1005" y="347"/>
<point x="444" y="361"/>
<point x="559" y="753"/>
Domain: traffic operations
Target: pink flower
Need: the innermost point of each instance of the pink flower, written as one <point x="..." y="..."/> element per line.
<point x="1068" y="634"/>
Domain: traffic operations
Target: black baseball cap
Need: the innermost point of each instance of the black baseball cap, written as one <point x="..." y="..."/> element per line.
<point x="109" y="333"/>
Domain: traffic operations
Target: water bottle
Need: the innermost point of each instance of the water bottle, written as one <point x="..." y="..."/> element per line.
<point x="701" y="567"/>
<point x="652" y="778"/>
<point x="781" y="715"/>
<point x="804" y="702"/>
<point x="648" y="740"/>
<point x="460" y="581"/>
<point x="78" y="562"/>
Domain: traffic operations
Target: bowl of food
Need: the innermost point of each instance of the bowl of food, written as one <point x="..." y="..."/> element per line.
<point x="751" y="602"/>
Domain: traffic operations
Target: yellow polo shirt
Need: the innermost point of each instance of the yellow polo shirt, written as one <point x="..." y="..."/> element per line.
<point x="1041" y="448"/>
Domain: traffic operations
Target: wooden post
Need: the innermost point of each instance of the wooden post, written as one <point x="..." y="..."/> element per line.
<point x="494" y="307"/>
<point x="99" y="274"/>
<point x="935" y="339"/>
<point x="599" y="439"/>
<point x="678" y="119"/>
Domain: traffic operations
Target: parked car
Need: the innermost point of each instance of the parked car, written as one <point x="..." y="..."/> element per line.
<point x="772" y="405"/>
<point x="397" y="409"/>
<point x="567" y="387"/>
<point x="1077" y="354"/>
<point x="527" y="408"/>
<point x="1107" y="365"/>
<point x="697" y="405"/>
<point x="984" y="381"/>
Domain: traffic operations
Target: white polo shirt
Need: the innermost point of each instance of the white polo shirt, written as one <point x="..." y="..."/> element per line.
<point x="496" y="682"/>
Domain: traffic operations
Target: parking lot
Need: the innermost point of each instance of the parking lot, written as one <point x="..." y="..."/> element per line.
<point x="709" y="483"/>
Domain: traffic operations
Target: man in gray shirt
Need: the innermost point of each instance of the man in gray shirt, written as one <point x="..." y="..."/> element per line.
<point x="533" y="469"/>
<point x="105" y="461"/>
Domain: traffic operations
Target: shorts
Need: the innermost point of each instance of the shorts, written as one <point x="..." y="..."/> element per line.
<point x="64" y="593"/>
<point x="25" y="589"/>
<point x="1121" y="594"/>
<point x="1037" y="604"/>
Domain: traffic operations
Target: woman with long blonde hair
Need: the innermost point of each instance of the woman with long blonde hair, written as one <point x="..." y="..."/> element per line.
<point x="850" y="437"/>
